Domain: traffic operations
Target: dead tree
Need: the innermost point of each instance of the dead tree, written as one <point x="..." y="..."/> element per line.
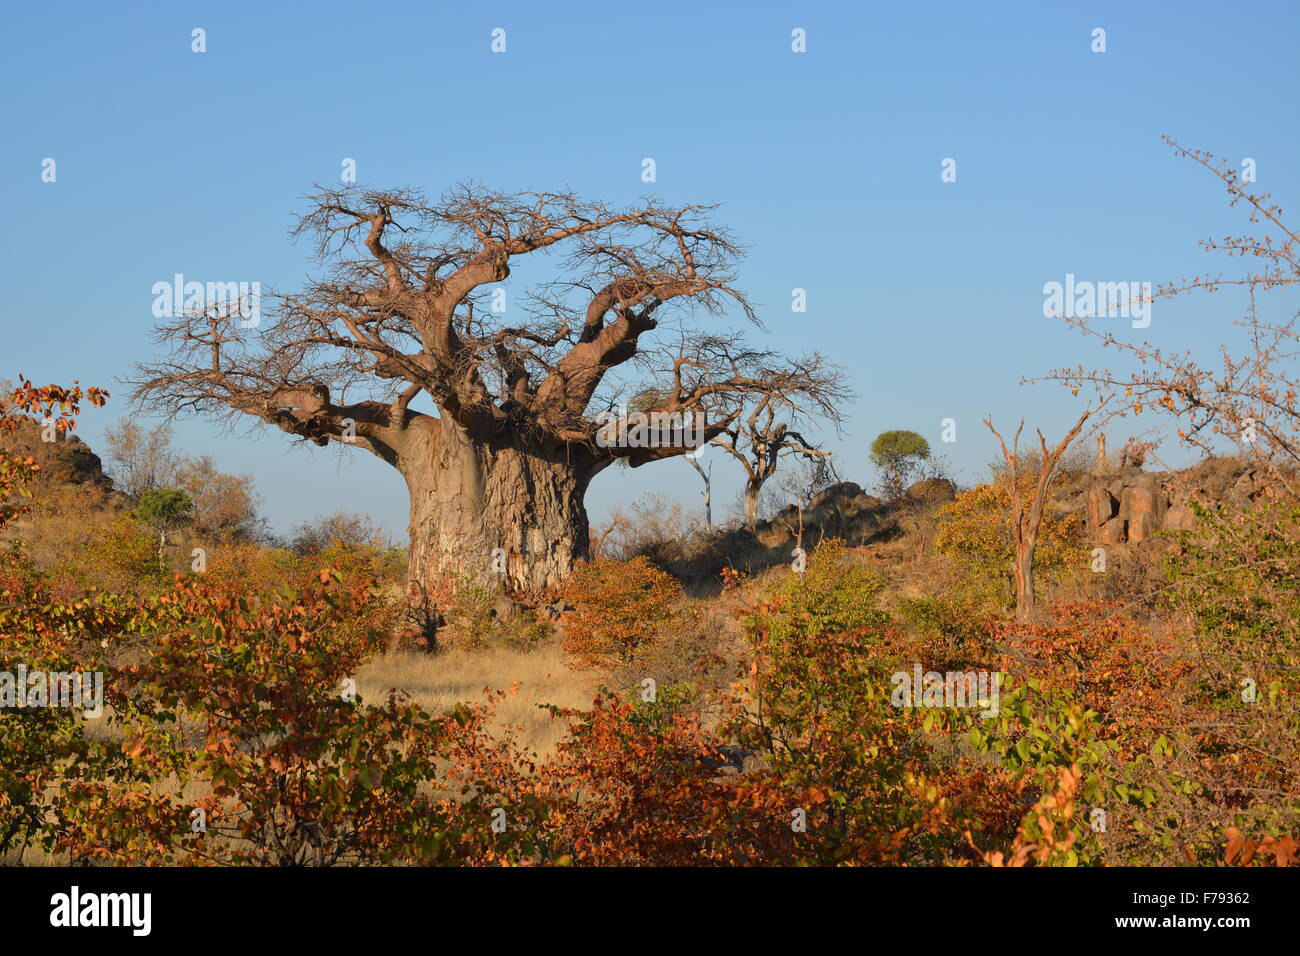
<point x="771" y="429"/>
<point x="401" y="347"/>
<point x="707" y="478"/>
<point x="1245" y="395"/>
<point x="1025" y="523"/>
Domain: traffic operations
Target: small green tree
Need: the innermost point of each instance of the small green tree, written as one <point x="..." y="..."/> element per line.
<point x="897" y="454"/>
<point x="165" y="510"/>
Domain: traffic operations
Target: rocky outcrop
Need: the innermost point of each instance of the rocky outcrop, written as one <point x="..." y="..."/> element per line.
<point x="67" y="460"/>
<point x="1121" y="505"/>
<point x="70" y="484"/>
<point x="1129" y="505"/>
<point x="846" y="511"/>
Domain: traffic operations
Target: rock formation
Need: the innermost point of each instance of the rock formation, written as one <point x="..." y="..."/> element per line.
<point x="845" y="511"/>
<point x="1129" y="505"/>
<point x="67" y="460"/>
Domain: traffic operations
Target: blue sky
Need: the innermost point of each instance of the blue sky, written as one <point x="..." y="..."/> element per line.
<point x="828" y="163"/>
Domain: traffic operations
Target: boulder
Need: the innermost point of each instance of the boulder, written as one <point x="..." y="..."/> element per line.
<point x="933" y="491"/>
<point x="1114" y="531"/>
<point x="1102" y="506"/>
<point x="1142" y="506"/>
<point x="557" y="608"/>
<point x="1179" y="518"/>
<point x="503" y="609"/>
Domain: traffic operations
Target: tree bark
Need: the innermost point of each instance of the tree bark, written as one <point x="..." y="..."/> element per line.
<point x="494" y="513"/>
<point x="752" y="491"/>
<point x="1026" y="603"/>
<point x="707" y="478"/>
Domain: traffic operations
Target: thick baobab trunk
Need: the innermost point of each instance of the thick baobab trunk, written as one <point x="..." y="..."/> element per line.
<point x="491" y="514"/>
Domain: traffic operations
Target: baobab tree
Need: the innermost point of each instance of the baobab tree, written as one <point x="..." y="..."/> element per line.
<point x="400" y="346"/>
<point x="772" y="428"/>
<point x="1025" y="523"/>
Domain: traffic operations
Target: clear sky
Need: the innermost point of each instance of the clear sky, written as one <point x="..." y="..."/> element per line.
<point x="828" y="163"/>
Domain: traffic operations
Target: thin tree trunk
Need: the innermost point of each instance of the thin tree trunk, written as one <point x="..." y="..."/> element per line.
<point x="707" y="478"/>
<point x="1024" y="527"/>
<point x="1026" y="608"/>
<point x="753" y="488"/>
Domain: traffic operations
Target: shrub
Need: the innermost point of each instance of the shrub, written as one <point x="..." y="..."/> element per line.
<point x="120" y="558"/>
<point x="960" y="618"/>
<point x="338" y="530"/>
<point x="481" y="618"/>
<point x="672" y="538"/>
<point x="976" y="529"/>
<point x="669" y="702"/>
<point x="1238" y="577"/>
<point x="820" y="708"/>
<point x="620" y="605"/>
<point x="243" y="697"/>
<point x="834" y="594"/>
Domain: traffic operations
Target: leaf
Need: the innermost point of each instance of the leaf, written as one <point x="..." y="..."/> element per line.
<point x="1236" y="843"/>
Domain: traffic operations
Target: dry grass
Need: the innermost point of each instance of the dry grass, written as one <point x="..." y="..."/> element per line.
<point x="439" y="681"/>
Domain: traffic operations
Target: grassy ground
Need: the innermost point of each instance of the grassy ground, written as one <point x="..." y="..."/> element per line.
<point x="439" y="681"/>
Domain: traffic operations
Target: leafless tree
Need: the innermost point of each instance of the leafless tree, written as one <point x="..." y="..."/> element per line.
<point x="139" y="458"/>
<point x="707" y="493"/>
<point x="772" y="426"/>
<point x="809" y="476"/>
<point x="1025" y="523"/>
<point x="338" y="529"/>
<point x="1250" y="398"/>
<point x="406" y="311"/>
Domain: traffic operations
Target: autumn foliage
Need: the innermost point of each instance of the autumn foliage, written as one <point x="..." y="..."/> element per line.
<point x="976" y="530"/>
<point x="234" y="734"/>
<point x="620" y="605"/>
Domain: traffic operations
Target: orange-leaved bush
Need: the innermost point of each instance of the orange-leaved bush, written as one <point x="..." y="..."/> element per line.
<point x="620" y="606"/>
<point x="243" y="702"/>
